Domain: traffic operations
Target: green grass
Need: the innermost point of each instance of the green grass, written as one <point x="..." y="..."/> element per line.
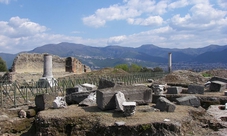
<point x="206" y="75"/>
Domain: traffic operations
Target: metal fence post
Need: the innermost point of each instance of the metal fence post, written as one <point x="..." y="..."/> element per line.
<point x="14" y="93"/>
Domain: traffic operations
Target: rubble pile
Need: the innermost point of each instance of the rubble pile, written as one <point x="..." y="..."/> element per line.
<point x="124" y="104"/>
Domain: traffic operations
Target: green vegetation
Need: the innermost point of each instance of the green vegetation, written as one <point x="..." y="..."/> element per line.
<point x="136" y="68"/>
<point x="123" y="67"/>
<point x="3" y="67"/>
<point x="157" y="69"/>
<point x="206" y="75"/>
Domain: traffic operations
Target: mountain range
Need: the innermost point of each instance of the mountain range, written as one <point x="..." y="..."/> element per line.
<point x="147" y="55"/>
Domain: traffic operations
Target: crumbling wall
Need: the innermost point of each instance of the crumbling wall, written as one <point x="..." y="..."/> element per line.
<point x="33" y="63"/>
<point x="75" y="66"/>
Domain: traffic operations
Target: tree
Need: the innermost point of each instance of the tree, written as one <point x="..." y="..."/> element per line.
<point x="157" y="69"/>
<point x="3" y="67"/>
<point x="145" y="69"/>
<point x="123" y="66"/>
<point x="135" y="68"/>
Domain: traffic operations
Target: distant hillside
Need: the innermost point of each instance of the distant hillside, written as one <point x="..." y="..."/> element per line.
<point x="212" y="57"/>
<point x="145" y="55"/>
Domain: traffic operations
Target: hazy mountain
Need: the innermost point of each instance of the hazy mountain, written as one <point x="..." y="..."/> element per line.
<point x="212" y="57"/>
<point x="146" y="55"/>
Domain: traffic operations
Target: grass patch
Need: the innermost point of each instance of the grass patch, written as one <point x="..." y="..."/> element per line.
<point x="206" y="75"/>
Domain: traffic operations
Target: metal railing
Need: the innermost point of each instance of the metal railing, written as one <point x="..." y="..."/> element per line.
<point x="18" y="93"/>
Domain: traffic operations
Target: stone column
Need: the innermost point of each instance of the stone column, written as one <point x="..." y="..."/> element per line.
<point x="47" y="68"/>
<point x="170" y="62"/>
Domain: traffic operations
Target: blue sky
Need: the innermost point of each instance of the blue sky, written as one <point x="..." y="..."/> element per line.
<point x="27" y="24"/>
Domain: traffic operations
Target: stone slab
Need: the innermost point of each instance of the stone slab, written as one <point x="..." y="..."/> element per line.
<point x="195" y="89"/>
<point x="217" y="86"/>
<point x="174" y="90"/>
<point x="164" y="104"/>
<point x="129" y="103"/>
<point x="190" y="100"/>
<point x="104" y="83"/>
<point x="119" y="99"/>
<point x="105" y="98"/>
<point x="44" y="101"/>
<point x="89" y="87"/>
<point x="77" y="97"/>
<point x="218" y="79"/>
<point x="77" y="88"/>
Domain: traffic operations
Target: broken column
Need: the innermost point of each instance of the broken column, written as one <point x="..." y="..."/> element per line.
<point x="47" y="79"/>
<point x="47" y="68"/>
<point x="170" y="62"/>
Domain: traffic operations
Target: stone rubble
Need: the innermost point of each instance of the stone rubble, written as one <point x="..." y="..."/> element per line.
<point x="129" y="108"/>
<point x="59" y="102"/>
<point x="119" y="99"/>
<point x="164" y="104"/>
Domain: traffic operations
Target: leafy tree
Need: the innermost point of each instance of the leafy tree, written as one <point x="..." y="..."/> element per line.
<point x="3" y="67"/>
<point x="157" y="69"/>
<point x="135" y="68"/>
<point x="145" y="69"/>
<point x="123" y="66"/>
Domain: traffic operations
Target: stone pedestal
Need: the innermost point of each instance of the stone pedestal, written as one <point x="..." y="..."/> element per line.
<point x="105" y="98"/>
<point x="129" y="108"/>
<point x="45" y="82"/>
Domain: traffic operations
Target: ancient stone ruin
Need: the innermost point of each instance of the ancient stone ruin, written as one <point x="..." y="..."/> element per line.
<point x="47" y="79"/>
<point x="33" y="63"/>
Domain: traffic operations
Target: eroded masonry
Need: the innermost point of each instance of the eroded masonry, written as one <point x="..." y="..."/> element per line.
<point x="33" y="63"/>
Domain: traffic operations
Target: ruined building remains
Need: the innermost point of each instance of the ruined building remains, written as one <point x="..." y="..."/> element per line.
<point x="33" y="63"/>
<point x="75" y="66"/>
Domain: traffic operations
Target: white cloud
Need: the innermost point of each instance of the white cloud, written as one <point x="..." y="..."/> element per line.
<point x="17" y="27"/>
<point x="116" y="39"/>
<point x="5" y="1"/>
<point x="222" y="4"/>
<point x="178" y="4"/>
<point x="94" y="21"/>
<point x="203" y="13"/>
<point x="130" y="9"/>
<point x="160" y="7"/>
<point x="200" y="17"/>
<point x="150" y="21"/>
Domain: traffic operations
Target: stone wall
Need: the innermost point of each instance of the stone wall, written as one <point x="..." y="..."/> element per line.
<point x="33" y="63"/>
